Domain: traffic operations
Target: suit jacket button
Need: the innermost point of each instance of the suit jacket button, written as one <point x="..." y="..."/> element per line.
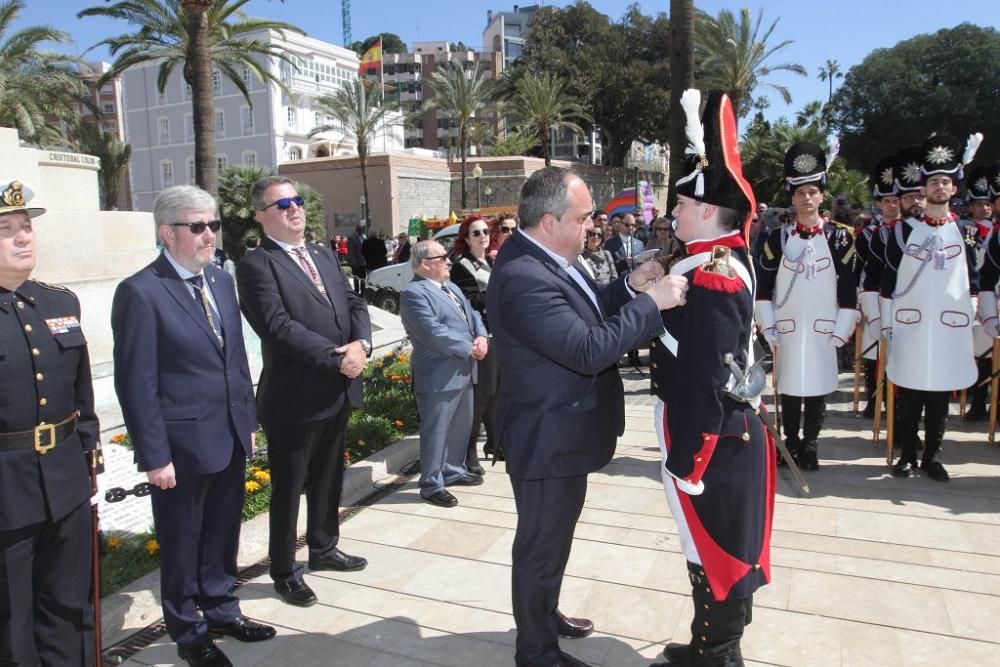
<point x="27" y="328"/>
<point x="35" y="351"/>
<point x="43" y="402"/>
<point x="746" y="437"/>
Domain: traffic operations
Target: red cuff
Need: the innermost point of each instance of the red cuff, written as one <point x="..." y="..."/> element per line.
<point x="702" y="457"/>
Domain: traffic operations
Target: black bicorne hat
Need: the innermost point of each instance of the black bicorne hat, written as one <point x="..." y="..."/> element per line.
<point x="907" y="169"/>
<point x="713" y="172"/>
<point x="884" y="178"/>
<point x="979" y="183"/>
<point x="943" y="155"/>
<point x="993" y="176"/>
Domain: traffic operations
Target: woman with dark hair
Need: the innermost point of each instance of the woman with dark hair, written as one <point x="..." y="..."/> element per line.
<point x="504" y="228"/>
<point x="598" y="261"/>
<point x="470" y="271"/>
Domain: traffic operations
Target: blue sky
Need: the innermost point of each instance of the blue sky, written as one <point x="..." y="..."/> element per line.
<point x="842" y="30"/>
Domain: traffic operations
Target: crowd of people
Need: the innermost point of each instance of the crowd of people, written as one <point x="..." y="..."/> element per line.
<point x="519" y="327"/>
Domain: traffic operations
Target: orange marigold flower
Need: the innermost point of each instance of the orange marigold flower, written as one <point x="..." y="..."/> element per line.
<point x="118" y="438"/>
<point x="262" y="476"/>
<point x="152" y="547"/>
<point x="399" y="423"/>
<point x="251" y="486"/>
<point x="114" y="543"/>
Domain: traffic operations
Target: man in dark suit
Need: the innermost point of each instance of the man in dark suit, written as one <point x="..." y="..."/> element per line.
<point x="315" y="338"/>
<point x="47" y="431"/>
<point x="374" y="251"/>
<point x="448" y="338"/>
<point x="561" y="404"/>
<point x="356" y="258"/>
<point x="403" y="249"/>
<point x="184" y="385"/>
<point x="625" y="246"/>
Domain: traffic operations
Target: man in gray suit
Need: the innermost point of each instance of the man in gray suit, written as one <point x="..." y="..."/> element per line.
<point x="448" y="339"/>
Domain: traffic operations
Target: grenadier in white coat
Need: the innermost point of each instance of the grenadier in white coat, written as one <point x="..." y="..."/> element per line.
<point x="927" y="291"/>
<point x="806" y="302"/>
<point x="989" y="267"/>
<point x="868" y="247"/>
<point x="980" y="221"/>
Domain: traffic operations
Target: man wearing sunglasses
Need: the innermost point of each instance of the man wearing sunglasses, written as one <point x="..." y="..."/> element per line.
<point x="184" y="385"/>
<point x="315" y="337"/>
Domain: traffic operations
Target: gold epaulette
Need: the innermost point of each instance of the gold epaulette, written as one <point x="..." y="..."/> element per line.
<point x="719" y="263"/>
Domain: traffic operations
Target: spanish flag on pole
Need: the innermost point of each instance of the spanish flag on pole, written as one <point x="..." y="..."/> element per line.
<point x="372" y="58"/>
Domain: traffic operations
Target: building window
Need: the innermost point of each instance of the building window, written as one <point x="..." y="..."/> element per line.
<point x="190" y="170"/>
<point x="108" y="107"/>
<point x="188" y="127"/>
<point x="110" y="128"/>
<point x="246" y="77"/>
<point x="317" y="119"/>
<point x="291" y="117"/>
<point x="166" y="174"/>
<point x="220" y="123"/>
<point x="164" y="125"/>
<point x="107" y="89"/>
<point x="294" y="153"/>
<point x="161" y="97"/>
<point x="250" y="158"/>
<point x="221" y="162"/>
<point x="246" y="117"/>
<point x="216" y="82"/>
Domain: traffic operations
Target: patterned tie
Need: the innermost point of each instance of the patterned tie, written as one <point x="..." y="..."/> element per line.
<point x="306" y="262"/>
<point x="214" y="321"/>
<point x="456" y="302"/>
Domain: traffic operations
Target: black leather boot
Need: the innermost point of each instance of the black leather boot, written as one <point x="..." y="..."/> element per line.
<point x="815" y="414"/>
<point x="934" y="424"/>
<point x="871" y="383"/>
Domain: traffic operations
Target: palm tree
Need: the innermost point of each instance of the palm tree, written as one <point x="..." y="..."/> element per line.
<point x="35" y="85"/>
<point x="201" y="36"/>
<point x="682" y="39"/>
<point x="362" y="114"/>
<point x="114" y="155"/>
<point x="733" y="56"/>
<point x="542" y="104"/>
<point x="812" y="114"/>
<point x="462" y="95"/>
<point x="829" y="72"/>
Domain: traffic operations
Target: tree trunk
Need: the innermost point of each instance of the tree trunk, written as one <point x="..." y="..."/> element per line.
<point x="199" y="76"/>
<point x="367" y="212"/>
<point x="681" y="78"/>
<point x="546" y="148"/>
<point x="462" y="138"/>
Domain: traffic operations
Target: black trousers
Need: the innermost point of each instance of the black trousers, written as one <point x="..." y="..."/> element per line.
<point x="910" y="404"/>
<point x="46" y="616"/>
<point x="792" y="413"/>
<point x="311" y="457"/>
<point x="198" y="528"/>
<point x="547" y="511"/>
<point x="484" y="398"/>
<point x="359" y="274"/>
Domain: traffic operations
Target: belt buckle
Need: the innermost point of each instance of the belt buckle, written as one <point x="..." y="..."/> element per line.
<point x="45" y="432"/>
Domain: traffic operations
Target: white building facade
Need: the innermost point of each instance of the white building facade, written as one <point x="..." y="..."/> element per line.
<point x="271" y="130"/>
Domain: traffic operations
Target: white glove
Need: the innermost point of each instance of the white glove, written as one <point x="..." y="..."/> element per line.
<point x="771" y="336"/>
<point x="992" y="327"/>
<point x="885" y="308"/>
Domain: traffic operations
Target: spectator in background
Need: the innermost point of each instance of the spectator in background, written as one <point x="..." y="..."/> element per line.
<point x="402" y="249"/>
<point x="373" y="250"/>
<point x="596" y="260"/>
<point x="356" y="258"/>
<point x="448" y="339"/>
<point x="663" y="237"/>
<point x="342" y="249"/>
<point x="470" y="272"/>
<point x="502" y="231"/>
<point x="624" y="247"/>
<point x="642" y="230"/>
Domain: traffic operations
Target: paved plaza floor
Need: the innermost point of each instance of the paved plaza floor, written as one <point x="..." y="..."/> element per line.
<point x="868" y="571"/>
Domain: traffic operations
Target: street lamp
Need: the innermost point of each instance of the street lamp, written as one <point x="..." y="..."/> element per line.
<point x="488" y="191"/>
<point x="477" y="173"/>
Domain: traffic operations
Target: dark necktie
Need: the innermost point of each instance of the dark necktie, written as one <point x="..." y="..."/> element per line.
<point x="456" y="302"/>
<point x="306" y="262"/>
<point x="214" y="321"/>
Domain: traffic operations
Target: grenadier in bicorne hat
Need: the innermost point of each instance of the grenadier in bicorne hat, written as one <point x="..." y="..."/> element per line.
<point x="927" y="307"/>
<point x="719" y="461"/>
<point x="806" y="302"/>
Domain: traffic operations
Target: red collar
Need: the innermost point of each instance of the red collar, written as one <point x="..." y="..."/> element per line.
<point x="937" y="222"/>
<point x="701" y="245"/>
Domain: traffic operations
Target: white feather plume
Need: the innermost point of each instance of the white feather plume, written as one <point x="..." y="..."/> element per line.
<point x="691" y="103"/>
<point x="971" y="147"/>
<point x="833" y="148"/>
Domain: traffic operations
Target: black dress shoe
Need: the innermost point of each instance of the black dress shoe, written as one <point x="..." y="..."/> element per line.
<point x="489" y="450"/>
<point x="441" y="498"/>
<point x="203" y="654"/>
<point x="935" y="471"/>
<point x="296" y="593"/>
<point x="565" y="660"/>
<point x="468" y="479"/>
<point x="243" y="629"/>
<point x="337" y="560"/>
<point x="903" y="468"/>
<point x="976" y="413"/>
<point x="676" y="654"/>
<point x="476" y="469"/>
<point x="573" y="628"/>
<point x="808" y="461"/>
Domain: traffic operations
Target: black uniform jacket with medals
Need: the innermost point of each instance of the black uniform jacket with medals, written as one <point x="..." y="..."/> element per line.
<point x="711" y="438"/>
<point x="841" y="241"/>
<point x="894" y="251"/>
<point x="989" y="272"/>
<point x="44" y="378"/>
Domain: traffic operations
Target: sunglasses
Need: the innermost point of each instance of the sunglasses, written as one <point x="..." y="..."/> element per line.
<point x="199" y="227"/>
<point x="661" y="229"/>
<point x="435" y="257"/>
<point x="285" y="203"/>
<point x="479" y="232"/>
<point x="595" y="235"/>
<point x="507" y="230"/>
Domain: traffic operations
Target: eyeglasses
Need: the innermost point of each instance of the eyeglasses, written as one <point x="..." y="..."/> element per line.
<point x="595" y="235"/>
<point x="435" y="257"/>
<point x="507" y="230"/>
<point x="479" y="232"/>
<point x="661" y="229"/>
<point x="199" y="227"/>
<point x="285" y="203"/>
<point x="913" y="197"/>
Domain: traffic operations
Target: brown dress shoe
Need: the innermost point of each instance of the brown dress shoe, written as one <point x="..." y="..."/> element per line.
<point x="573" y="628"/>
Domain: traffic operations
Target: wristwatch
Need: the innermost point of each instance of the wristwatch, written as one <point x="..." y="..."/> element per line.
<point x="367" y="346"/>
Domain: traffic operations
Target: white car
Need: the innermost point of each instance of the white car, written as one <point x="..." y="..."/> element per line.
<point x="382" y="286"/>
